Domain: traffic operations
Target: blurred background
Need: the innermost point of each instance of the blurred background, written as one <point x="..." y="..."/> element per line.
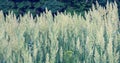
<point x="38" y="6"/>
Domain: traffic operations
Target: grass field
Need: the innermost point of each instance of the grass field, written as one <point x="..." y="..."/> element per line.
<point x="66" y="38"/>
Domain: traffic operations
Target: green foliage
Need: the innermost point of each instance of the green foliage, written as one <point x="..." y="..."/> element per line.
<point x="23" y="6"/>
<point x="68" y="57"/>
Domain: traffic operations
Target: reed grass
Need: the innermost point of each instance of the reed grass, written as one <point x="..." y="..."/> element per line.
<point x="65" y="38"/>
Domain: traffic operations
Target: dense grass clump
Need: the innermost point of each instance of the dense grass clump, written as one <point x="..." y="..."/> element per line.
<point x="94" y="38"/>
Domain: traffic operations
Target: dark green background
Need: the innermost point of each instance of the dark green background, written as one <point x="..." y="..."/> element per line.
<point x="23" y="6"/>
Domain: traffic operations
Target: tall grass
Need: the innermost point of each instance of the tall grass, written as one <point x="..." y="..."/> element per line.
<point x="94" y="38"/>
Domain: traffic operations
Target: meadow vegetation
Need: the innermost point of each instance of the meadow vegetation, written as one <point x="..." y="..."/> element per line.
<point x="66" y="38"/>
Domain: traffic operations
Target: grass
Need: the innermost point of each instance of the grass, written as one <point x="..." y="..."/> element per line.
<point x="65" y="38"/>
